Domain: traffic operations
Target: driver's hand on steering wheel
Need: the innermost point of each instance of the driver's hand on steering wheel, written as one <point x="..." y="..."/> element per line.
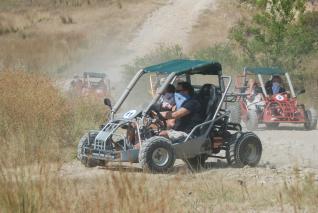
<point x="164" y="114"/>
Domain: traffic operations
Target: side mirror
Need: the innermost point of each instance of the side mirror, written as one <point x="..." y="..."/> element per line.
<point x="107" y="102"/>
<point x="301" y="92"/>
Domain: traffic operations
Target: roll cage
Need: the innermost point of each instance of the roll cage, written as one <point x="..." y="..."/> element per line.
<point x="198" y="140"/>
<point x="173" y="69"/>
<point x="259" y="72"/>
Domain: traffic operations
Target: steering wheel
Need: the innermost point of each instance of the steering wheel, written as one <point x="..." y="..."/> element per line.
<point x="155" y="114"/>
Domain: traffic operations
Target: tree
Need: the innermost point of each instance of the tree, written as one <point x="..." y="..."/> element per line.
<point x="276" y="36"/>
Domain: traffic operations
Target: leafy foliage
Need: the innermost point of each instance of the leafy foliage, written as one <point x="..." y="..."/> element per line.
<point x="222" y="52"/>
<point x="161" y="54"/>
<point x="278" y="35"/>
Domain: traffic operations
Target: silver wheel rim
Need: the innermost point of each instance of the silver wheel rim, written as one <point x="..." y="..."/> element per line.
<point x="160" y="156"/>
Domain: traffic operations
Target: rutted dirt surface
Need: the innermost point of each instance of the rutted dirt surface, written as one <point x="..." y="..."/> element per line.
<point x="170" y="24"/>
<point x="283" y="150"/>
<point x="290" y="146"/>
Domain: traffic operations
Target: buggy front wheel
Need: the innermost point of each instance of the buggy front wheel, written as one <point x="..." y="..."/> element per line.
<point x="83" y="144"/>
<point x="245" y="149"/>
<point x="157" y="155"/>
<point x="310" y="119"/>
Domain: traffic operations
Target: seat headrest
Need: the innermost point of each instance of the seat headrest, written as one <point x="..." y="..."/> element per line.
<point x="205" y="90"/>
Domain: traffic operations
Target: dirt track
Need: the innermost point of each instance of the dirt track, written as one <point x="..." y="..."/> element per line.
<point x="290" y="146"/>
<point x="170" y="24"/>
<point x="283" y="150"/>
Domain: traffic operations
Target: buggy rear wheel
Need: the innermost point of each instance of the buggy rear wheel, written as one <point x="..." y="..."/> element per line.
<point x="157" y="155"/>
<point x="245" y="149"/>
<point x="252" y="120"/>
<point x="310" y="119"/>
<point x="196" y="163"/>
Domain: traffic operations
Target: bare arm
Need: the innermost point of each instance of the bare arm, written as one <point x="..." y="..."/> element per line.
<point x="177" y="114"/>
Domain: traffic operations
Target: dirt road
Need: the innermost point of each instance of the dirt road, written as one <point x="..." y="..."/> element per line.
<point x="283" y="150"/>
<point x="170" y="24"/>
<point x="290" y="146"/>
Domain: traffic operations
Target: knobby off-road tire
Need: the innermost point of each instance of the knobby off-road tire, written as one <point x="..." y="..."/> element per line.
<point x="244" y="149"/>
<point x="157" y="155"/>
<point x="84" y="142"/>
<point x="310" y="119"/>
<point x="196" y="163"/>
<point x="252" y="120"/>
<point x="235" y="116"/>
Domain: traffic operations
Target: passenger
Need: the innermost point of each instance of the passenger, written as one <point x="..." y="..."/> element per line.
<point x="187" y="114"/>
<point x="255" y="97"/>
<point x="167" y="99"/>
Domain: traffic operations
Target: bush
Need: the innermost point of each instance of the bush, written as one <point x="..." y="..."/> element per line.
<point x="159" y="55"/>
<point x="32" y="111"/>
<point x="37" y="121"/>
<point x="276" y="36"/>
<point x="222" y="53"/>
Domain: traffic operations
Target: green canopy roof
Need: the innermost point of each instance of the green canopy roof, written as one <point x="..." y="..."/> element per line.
<point x="186" y="66"/>
<point x="265" y="70"/>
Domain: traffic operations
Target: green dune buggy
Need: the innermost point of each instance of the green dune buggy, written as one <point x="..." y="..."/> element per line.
<point x="134" y="135"/>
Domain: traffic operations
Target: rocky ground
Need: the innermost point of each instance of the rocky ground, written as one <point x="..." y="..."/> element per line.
<point x="285" y="151"/>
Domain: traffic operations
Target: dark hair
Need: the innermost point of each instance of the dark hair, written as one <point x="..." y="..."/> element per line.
<point x="170" y="89"/>
<point x="278" y="78"/>
<point x="187" y="87"/>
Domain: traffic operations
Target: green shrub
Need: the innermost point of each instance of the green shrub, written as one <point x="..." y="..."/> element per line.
<point x="222" y="53"/>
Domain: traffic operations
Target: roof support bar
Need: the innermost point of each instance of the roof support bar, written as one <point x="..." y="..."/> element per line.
<point x="262" y="84"/>
<point x="127" y="91"/>
<point x="160" y="91"/>
<point x="290" y="85"/>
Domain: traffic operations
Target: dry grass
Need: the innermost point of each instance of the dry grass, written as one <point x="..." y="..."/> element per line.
<point x="37" y="121"/>
<point x="31" y="53"/>
<point x="33" y="114"/>
<point x="215" y="24"/>
<point x="54" y="39"/>
<point x="44" y="188"/>
<point x="58" y="3"/>
<point x="39" y="128"/>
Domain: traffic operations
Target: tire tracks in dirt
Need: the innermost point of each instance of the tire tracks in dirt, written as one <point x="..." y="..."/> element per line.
<point x="170" y="25"/>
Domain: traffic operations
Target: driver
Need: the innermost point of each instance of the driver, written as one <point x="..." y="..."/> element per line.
<point x="187" y="113"/>
<point x="274" y="86"/>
